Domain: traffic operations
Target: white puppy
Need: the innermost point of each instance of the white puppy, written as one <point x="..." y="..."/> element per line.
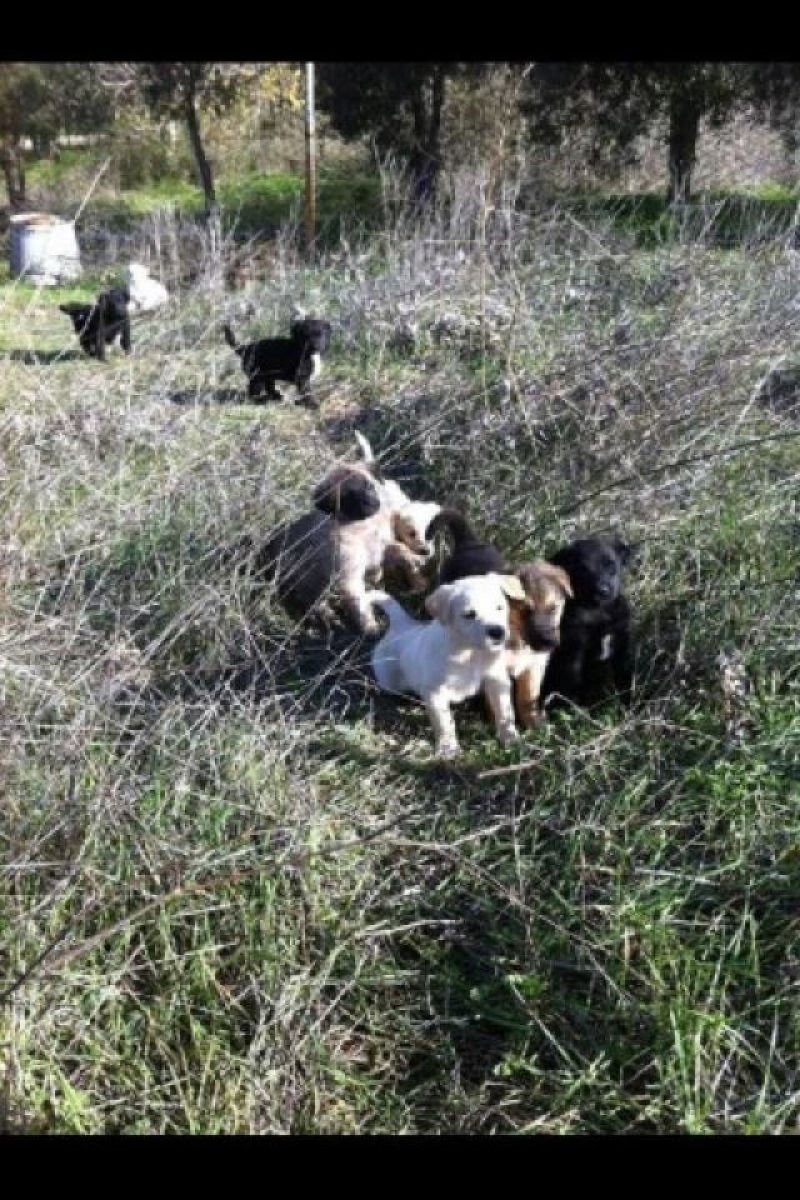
<point x="146" y="293"/>
<point x="452" y="657"/>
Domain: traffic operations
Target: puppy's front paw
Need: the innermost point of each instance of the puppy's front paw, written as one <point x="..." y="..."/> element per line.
<point x="529" y="718"/>
<point x="448" y="750"/>
<point x="370" y="626"/>
<point x="508" y="734"/>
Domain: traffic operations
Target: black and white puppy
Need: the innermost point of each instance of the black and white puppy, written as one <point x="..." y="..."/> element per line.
<point x="98" y="325"/>
<point x="595" y="626"/>
<point x="469" y="555"/>
<point x="296" y="359"/>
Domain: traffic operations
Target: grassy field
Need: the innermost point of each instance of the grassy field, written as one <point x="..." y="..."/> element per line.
<point x="238" y="893"/>
<point x="252" y="202"/>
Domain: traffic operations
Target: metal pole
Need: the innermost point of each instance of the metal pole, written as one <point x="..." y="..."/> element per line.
<point x="311" y="187"/>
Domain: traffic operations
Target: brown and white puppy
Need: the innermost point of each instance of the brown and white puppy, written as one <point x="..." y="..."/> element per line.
<point x="364" y="525"/>
<point x="394" y="537"/>
<point x="535" y="624"/>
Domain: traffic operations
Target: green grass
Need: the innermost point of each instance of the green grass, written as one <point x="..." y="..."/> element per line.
<point x="238" y="893"/>
<point x="257" y="203"/>
<point x="252" y="203"/>
<point x="727" y="218"/>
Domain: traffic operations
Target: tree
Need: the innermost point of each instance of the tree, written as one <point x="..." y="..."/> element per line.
<point x="620" y="101"/>
<point x="179" y="91"/>
<point x="687" y="93"/>
<point x="398" y="104"/>
<point x="39" y="102"/>
<point x="774" y="90"/>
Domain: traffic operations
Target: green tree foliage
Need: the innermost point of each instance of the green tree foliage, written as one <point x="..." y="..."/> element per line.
<point x="398" y="104"/>
<point x="39" y="101"/>
<point x="619" y="101"/>
<point x="775" y="92"/>
<point x="181" y="91"/>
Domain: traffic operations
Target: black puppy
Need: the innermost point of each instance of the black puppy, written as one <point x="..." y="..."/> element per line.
<point x="98" y="324"/>
<point x="595" y="626"/>
<point x="296" y="359"/>
<point x="469" y="556"/>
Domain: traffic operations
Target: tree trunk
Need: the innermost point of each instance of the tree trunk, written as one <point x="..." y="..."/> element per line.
<point x="427" y="129"/>
<point x="201" y="162"/>
<point x="790" y="142"/>
<point x="13" y="164"/>
<point x="684" y="126"/>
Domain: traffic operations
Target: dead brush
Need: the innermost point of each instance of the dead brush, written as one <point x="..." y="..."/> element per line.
<point x="236" y="894"/>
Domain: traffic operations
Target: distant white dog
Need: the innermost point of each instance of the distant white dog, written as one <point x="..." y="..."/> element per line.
<point x="452" y="657"/>
<point x="146" y="293"/>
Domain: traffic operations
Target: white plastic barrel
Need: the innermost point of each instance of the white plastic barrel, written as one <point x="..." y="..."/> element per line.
<point x="44" y="248"/>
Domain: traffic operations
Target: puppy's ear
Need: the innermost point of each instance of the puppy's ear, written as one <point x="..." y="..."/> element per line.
<point x="559" y="577"/>
<point x="434" y="524"/>
<point x="512" y="587"/>
<point x="438" y="603"/>
<point x="562" y="558"/>
<point x="626" y="551"/>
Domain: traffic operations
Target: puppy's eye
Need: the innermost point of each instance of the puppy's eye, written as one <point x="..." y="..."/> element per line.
<point x="469" y="614"/>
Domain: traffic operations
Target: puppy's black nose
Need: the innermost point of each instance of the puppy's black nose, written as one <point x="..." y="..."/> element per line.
<point x="543" y="641"/>
<point x="495" y="633"/>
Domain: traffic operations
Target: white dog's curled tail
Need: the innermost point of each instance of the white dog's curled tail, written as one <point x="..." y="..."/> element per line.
<point x="395" y="612"/>
<point x="364" y="446"/>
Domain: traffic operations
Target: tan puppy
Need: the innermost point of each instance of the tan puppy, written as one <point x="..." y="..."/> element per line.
<point x="534" y="634"/>
<point x="364" y="526"/>
<point x="395" y="536"/>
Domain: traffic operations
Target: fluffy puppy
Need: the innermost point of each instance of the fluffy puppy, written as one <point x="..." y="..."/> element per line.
<point x="469" y="555"/>
<point x="460" y="652"/>
<point x="596" y="626"/>
<point x="98" y="325"/>
<point x="145" y="292"/>
<point x="296" y="359"/>
<point x="348" y="494"/>
<point x="535" y="625"/>
<point x="342" y="550"/>
<point x="397" y="538"/>
<point x="534" y="620"/>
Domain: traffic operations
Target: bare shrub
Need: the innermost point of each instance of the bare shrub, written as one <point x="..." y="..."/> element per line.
<point x="237" y="894"/>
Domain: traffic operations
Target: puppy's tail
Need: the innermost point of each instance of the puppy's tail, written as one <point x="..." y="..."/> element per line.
<point x="456" y="525"/>
<point x="368" y="457"/>
<point x="230" y="338"/>
<point x="395" y="612"/>
<point x="366" y="450"/>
